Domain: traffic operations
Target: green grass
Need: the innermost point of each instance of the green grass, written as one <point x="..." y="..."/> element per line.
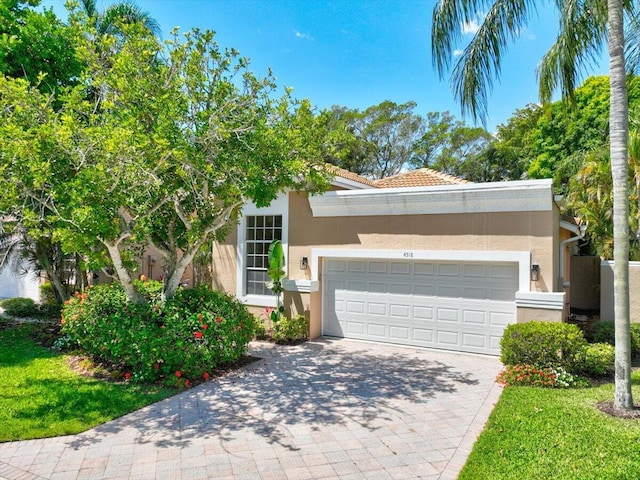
<point x="40" y="396"/>
<point x="537" y="433"/>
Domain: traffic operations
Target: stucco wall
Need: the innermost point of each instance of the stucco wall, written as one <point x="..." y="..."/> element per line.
<point x="529" y="231"/>
<point x="606" y="291"/>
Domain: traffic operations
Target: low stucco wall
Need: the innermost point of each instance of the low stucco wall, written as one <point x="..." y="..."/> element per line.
<point x="526" y="314"/>
<point x="606" y="291"/>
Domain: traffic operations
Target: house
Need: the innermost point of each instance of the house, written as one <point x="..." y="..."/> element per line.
<point x="421" y="259"/>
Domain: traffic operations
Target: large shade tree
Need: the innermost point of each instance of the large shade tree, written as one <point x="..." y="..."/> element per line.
<point x="180" y="137"/>
<point x="585" y="28"/>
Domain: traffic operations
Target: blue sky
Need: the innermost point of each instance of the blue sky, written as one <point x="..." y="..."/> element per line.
<point x="353" y="52"/>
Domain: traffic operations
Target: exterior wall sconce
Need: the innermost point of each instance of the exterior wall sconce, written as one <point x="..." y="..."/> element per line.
<point x="304" y="263"/>
<point x="535" y="272"/>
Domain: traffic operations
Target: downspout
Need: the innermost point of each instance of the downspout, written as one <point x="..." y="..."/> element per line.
<point x="580" y="232"/>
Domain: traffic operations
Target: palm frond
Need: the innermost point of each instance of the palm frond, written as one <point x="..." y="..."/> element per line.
<point x="126" y="12"/>
<point x="480" y="62"/>
<point x="582" y="34"/>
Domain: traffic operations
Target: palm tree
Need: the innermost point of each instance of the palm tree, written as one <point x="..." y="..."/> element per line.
<point x="585" y="27"/>
<point x="107" y="21"/>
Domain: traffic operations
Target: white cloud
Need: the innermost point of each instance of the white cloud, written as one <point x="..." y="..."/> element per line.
<point x="457" y="53"/>
<point x="470" y="28"/>
<point x="304" y="36"/>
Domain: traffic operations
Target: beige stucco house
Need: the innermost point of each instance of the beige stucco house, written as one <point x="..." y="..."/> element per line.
<point x="422" y="258"/>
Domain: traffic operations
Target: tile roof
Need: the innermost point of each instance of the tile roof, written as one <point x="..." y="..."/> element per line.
<point x="423" y="177"/>
<point x="346" y="174"/>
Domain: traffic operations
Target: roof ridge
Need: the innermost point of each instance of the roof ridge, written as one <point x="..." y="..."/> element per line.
<point x="446" y="176"/>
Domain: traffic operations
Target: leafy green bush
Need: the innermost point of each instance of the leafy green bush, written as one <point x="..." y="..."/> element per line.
<point x="20" y="307"/>
<point x="542" y="344"/>
<point x="260" y="330"/>
<point x="291" y="330"/>
<point x="182" y="340"/>
<point x="604" y="332"/>
<point x="597" y="359"/>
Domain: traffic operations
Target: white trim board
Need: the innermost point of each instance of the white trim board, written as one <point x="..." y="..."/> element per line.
<point x="523" y="258"/>
<point x="516" y="196"/>
<point x="280" y="206"/>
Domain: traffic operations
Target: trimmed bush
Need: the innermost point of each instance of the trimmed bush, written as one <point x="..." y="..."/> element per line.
<point x="542" y="344"/>
<point x="604" y="332"/>
<point x="291" y="330"/>
<point x="20" y="307"/>
<point x="598" y="359"/>
<point x="183" y="340"/>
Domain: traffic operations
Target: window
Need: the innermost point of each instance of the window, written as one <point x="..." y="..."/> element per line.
<point x="261" y="230"/>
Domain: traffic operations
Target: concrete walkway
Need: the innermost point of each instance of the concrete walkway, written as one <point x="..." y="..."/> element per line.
<point x="325" y="409"/>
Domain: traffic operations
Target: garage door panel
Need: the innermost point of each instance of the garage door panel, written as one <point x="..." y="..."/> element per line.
<point x="448" y="270"/>
<point x="401" y="268"/>
<point x="474" y="340"/>
<point x="376" y="308"/>
<point x="377" y="330"/>
<point x="400" y="288"/>
<point x="423" y="269"/>
<point x="424" y="290"/>
<point x="474" y="317"/>
<point x="399" y="333"/>
<point x="356" y="266"/>
<point x="458" y="306"/>
<point x="378" y="267"/>
<point x="423" y="313"/>
<point x="399" y="311"/>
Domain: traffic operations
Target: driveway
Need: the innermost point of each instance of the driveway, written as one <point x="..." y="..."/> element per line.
<point x="326" y="409"/>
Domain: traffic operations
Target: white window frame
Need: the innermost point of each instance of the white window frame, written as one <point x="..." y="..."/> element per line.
<point x="280" y="206"/>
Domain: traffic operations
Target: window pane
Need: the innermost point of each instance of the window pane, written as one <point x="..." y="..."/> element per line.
<point x="251" y="221"/>
<point x="268" y="221"/>
<point x="259" y="221"/>
<point x="251" y="234"/>
<point x="278" y="221"/>
<point x="251" y="248"/>
<point x="268" y="235"/>
<point x="278" y="234"/>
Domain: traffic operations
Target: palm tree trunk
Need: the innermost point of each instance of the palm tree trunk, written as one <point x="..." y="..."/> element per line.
<point x="619" y="131"/>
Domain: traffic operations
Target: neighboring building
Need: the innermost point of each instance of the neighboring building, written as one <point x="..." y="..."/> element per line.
<point x="14" y="283"/>
<point x="421" y="258"/>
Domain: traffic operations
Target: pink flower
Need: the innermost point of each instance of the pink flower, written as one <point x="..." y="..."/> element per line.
<point x="218" y="319"/>
<point x="206" y="376"/>
<point x="127" y="375"/>
<point x="198" y="334"/>
<point x="204" y="327"/>
<point x="178" y="373"/>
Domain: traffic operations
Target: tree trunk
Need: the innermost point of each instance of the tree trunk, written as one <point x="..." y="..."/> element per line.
<point x="174" y="270"/>
<point x="123" y="274"/>
<point x="618" y="134"/>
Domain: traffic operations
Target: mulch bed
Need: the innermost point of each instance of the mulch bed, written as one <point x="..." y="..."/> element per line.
<point x="608" y="408"/>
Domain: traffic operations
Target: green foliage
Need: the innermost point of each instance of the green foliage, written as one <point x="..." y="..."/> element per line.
<point x="604" y="332"/>
<point x="542" y="344"/>
<point x="597" y="359"/>
<point x="43" y="397"/>
<point x="277" y="274"/>
<point x="291" y="330"/>
<point x="20" y="307"/>
<point x="555" y="434"/>
<point x="145" y="160"/>
<point x="182" y="340"/>
<point x="260" y="330"/>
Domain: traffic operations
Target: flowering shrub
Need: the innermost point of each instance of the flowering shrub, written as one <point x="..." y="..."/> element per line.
<point x="190" y="335"/>
<point x="529" y="375"/>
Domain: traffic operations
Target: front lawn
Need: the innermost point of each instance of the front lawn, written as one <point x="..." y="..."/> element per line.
<point x="539" y="433"/>
<point x="41" y="396"/>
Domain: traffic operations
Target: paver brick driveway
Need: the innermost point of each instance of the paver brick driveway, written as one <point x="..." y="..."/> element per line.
<point x="325" y="409"/>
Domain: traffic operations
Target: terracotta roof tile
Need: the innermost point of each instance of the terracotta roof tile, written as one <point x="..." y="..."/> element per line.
<point x="423" y="177"/>
<point x="341" y="172"/>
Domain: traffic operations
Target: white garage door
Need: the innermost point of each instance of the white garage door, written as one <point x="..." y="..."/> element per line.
<point x="461" y="306"/>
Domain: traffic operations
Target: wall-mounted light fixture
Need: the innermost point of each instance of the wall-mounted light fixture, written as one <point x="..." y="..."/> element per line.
<point x="304" y="263"/>
<point x="535" y="272"/>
